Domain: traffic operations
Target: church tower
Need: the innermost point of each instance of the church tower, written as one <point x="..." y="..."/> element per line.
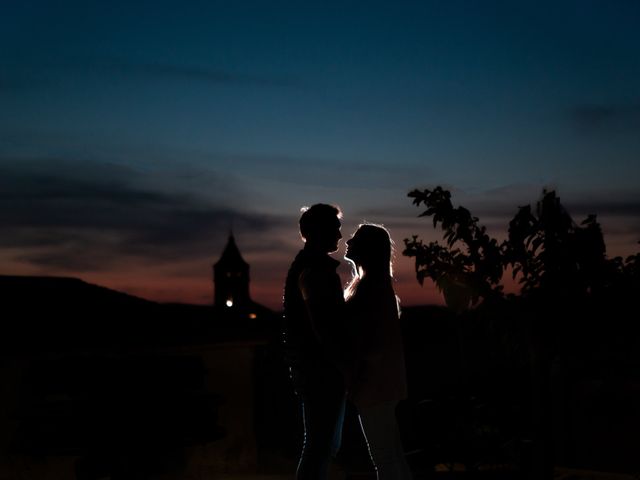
<point x="231" y="278"/>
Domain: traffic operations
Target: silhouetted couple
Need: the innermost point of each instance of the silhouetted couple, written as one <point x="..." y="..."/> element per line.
<point x="341" y="349"/>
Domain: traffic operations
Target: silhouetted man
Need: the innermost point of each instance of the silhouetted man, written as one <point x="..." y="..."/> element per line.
<point x="313" y="306"/>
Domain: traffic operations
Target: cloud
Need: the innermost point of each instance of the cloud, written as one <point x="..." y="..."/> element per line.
<point x="89" y="216"/>
<point x="618" y="211"/>
<point x="168" y="71"/>
<point x="614" y="207"/>
<point x="322" y="172"/>
<point x="504" y="201"/>
<point x="606" y="118"/>
<point x="200" y="74"/>
<point x="18" y="78"/>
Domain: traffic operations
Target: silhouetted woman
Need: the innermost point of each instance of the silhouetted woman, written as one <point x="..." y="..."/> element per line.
<point x="377" y="379"/>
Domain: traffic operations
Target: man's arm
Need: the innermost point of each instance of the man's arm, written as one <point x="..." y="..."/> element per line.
<point x="323" y="297"/>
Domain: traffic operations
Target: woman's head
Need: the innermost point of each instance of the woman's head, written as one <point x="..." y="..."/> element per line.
<point x="370" y="249"/>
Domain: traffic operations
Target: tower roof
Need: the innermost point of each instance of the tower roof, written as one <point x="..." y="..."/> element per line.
<point x="231" y="256"/>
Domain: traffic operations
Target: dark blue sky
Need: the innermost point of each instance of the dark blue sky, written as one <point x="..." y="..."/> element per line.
<point x="133" y="134"/>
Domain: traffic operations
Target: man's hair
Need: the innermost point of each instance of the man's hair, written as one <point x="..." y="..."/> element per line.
<point x="318" y="217"/>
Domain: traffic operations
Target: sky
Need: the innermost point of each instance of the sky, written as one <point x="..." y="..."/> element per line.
<point x="134" y="136"/>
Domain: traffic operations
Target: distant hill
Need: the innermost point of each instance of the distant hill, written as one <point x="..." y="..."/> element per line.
<point x="57" y="291"/>
<point x="60" y="313"/>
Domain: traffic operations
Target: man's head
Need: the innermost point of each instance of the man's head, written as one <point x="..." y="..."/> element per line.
<point x="320" y="227"/>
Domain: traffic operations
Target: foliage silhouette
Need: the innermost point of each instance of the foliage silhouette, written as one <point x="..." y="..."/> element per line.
<point x="554" y="258"/>
<point x="470" y="266"/>
<point x="569" y="288"/>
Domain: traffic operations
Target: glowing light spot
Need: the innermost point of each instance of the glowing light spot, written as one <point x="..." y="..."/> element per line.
<point x="229" y="303"/>
<point x="252" y="316"/>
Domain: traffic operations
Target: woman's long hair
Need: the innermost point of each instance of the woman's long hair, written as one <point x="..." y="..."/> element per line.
<point x="374" y="256"/>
